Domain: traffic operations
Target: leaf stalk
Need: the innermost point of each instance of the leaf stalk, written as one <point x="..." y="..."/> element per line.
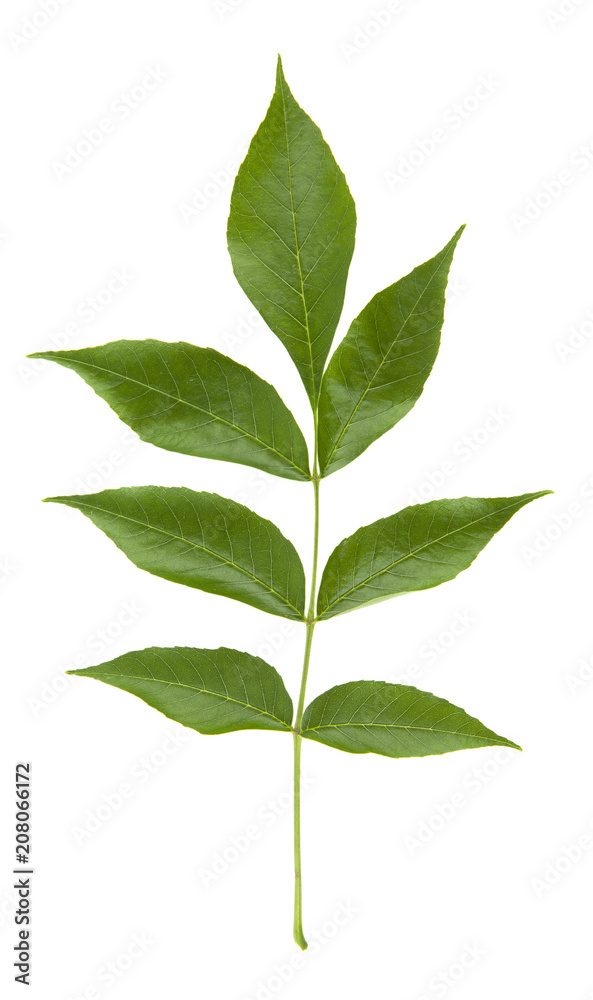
<point x="310" y="622"/>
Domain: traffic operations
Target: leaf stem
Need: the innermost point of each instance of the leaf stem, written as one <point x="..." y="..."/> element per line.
<point x="298" y="884"/>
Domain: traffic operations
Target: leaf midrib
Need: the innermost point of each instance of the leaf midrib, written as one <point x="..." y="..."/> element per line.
<point x="296" y="243"/>
<point x="193" y="406"/>
<point x="387" y="725"/>
<point x="203" y="548"/>
<point x="408" y="555"/>
<point x="190" y="687"/>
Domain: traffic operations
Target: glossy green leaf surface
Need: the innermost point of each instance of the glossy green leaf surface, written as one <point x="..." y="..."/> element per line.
<point x="417" y="548"/>
<point x="201" y="540"/>
<point x="378" y="371"/>
<point x="291" y="233"/>
<point x="209" y="690"/>
<point x="193" y="400"/>
<point x="393" y="720"/>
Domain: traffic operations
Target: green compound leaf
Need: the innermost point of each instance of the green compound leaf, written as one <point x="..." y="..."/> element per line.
<point x="417" y="548"/>
<point x="195" y="401"/>
<point x="393" y="720"/>
<point x="291" y="233"/>
<point x="378" y="371"/>
<point x="209" y="690"/>
<point x="201" y="540"/>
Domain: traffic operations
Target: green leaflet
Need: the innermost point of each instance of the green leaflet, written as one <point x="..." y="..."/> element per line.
<point x="291" y="233"/>
<point x="209" y="690"/>
<point x="417" y="548"/>
<point x="393" y="720"/>
<point x="201" y="540"/>
<point x="195" y="401"/>
<point x="378" y="371"/>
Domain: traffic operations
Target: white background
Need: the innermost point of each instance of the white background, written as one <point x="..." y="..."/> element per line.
<point x="488" y="877"/>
